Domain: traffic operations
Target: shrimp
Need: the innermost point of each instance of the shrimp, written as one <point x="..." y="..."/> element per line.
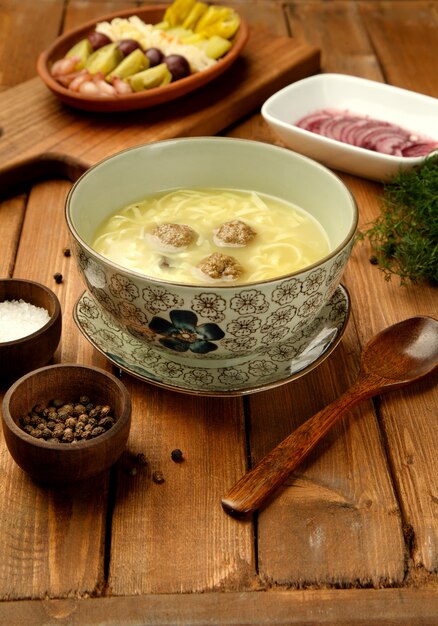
<point x="78" y="80"/>
<point x="104" y="88"/>
<point x="64" y="66"/>
<point x="88" y="88"/>
<point x="121" y="86"/>
<point x="67" y="79"/>
<point x="94" y="85"/>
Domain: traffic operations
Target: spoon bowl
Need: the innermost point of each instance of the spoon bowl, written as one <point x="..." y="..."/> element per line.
<point x="403" y="352"/>
<point x="397" y="356"/>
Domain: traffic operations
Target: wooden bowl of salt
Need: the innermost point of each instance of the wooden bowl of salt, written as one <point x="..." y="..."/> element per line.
<point x="30" y="327"/>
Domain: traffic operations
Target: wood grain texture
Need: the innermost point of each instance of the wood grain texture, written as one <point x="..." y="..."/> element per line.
<point x="337" y="29"/>
<point x="12" y="213"/>
<point x="346" y="607"/>
<point x="360" y="512"/>
<point x="37" y="348"/>
<point x="403" y="35"/>
<point x="266" y="65"/>
<point x="336" y="518"/>
<point x="51" y="542"/>
<point x="172" y="536"/>
<point x="405" y="414"/>
<point x="400" y="355"/>
<point x="20" y="52"/>
<point x="50" y="463"/>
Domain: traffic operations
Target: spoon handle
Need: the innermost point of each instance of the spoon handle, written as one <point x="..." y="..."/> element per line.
<point x="255" y="487"/>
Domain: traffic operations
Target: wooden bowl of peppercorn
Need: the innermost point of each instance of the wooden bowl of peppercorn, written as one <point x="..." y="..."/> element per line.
<point x="30" y="327"/>
<point x="65" y="423"/>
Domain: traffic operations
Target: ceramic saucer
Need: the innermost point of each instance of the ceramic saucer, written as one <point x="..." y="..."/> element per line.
<point x="275" y="366"/>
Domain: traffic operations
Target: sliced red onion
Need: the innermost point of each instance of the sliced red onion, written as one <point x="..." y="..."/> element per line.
<point x="418" y="149"/>
<point x="367" y="133"/>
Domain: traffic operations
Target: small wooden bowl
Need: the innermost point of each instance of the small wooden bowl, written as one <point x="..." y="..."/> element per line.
<point x="66" y="463"/>
<point x="22" y="355"/>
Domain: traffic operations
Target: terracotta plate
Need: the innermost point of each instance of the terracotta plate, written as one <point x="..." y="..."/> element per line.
<point x="140" y="100"/>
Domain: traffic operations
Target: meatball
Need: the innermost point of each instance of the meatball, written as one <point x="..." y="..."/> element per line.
<point x="173" y="237"/>
<point x="217" y="266"/>
<point x="235" y="234"/>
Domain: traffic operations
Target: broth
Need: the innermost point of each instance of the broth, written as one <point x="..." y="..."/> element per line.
<point x="285" y="238"/>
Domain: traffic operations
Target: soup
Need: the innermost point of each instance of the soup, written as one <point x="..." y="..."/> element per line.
<point x="212" y="236"/>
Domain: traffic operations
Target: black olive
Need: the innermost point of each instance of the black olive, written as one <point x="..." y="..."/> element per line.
<point x="155" y="56"/>
<point x="177" y="65"/>
<point x="98" y="40"/>
<point x="126" y="46"/>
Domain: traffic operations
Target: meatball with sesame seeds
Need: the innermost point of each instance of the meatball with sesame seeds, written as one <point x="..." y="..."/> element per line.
<point x="235" y="234"/>
<point x="220" y="266"/>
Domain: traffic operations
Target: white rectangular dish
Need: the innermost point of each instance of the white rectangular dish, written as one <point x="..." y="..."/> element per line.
<point x="410" y="110"/>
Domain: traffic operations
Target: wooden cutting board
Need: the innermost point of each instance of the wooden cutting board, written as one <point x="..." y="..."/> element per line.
<point x="40" y="137"/>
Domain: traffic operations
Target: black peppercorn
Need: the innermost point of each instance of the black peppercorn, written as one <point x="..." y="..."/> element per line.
<point x="66" y="252"/>
<point x="67" y="422"/>
<point x="374" y="260"/>
<point x="58" y="277"/>
<point x="97" y="430"/>
<point x="106" y="422"/>
<point x="177" y="455"/>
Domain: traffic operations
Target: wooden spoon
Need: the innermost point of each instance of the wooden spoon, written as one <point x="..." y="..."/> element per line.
<point x="395" y="357"/>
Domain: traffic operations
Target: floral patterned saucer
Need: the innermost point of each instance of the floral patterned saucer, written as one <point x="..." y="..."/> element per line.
<point x="275" y="366"/>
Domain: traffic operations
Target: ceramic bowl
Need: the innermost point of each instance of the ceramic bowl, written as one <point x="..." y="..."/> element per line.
<point x="20" y="356"/>
<point x="64" y="463"/>
<point x="411" y="111"/>
<point x="143" y="99"/>
<point x="216" y="325"/>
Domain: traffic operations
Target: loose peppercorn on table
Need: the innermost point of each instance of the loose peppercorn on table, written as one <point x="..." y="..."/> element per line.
<point x="352" y="537"/>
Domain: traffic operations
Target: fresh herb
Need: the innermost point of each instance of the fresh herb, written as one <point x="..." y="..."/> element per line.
<point x="405" y="235"/>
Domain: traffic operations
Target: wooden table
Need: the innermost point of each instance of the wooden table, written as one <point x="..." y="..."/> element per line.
<point x="352" y="538"/>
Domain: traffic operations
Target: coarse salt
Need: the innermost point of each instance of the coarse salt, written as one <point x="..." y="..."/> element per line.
<point x="19" y="319"/>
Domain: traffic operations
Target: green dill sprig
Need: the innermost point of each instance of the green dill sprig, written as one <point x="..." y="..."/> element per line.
<point x="405" y="235"/>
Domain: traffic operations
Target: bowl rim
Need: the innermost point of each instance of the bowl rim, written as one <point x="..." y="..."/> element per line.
<point x="216" y="139"/>
<point x="53" y="318"/>
<point x="142" y="99"/>
<point x="334" y="143"/>
<point x="80" y="445"/>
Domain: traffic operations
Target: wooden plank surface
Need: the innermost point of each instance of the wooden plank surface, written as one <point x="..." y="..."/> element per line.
<point x="377" y="303"/>
<point x="266" y="64"/>
<point x="343" y="497"/>
<point x="408" y="419"/>
<point x="347" y="607"/>
<point x="337" y="29"/>
<point x="361" y="512"/>
<point x="403" y="35"/>
<point x="21" y="40"/>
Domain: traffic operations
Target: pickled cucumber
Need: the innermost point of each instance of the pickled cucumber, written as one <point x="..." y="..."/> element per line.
<point x="132" y="64"/>
<point x="157" y="76"/>
<point x="104" y="59"/>
<point x="82" y="50"/>
<point x="217" y="46"/>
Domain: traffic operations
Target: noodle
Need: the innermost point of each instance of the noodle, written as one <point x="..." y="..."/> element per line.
<point x="287" y="238"/>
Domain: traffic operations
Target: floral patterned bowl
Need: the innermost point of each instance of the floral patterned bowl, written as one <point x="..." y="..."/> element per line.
<point x="216" y="325"/>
